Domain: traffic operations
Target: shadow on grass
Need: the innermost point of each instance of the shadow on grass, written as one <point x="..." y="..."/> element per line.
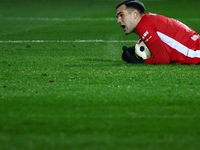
<point x="102" y="60"/>
<point x="98" y="62"/>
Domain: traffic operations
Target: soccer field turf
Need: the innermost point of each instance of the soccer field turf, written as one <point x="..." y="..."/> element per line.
<point x="63" y="84"/>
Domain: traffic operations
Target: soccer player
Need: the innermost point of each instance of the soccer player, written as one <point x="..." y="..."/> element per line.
<point x="168" y="40"/>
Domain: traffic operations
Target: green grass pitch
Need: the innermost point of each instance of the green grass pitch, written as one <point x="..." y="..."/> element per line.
<point x="63" y="84"/>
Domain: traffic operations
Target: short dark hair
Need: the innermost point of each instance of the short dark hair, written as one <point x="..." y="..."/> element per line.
<point x="133" y="4"/>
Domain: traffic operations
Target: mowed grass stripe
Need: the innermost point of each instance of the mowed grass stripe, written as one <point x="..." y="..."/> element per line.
<point x="69" y="41"/>
<point x="80" y="19"/>
<point x="104" y="116"/>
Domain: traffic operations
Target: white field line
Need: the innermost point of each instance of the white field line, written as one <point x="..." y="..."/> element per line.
<point x="96" y="0"/>
<point x="80" y="19"/>
<point x="60" y="19"/>
<point x="70" y="41"/>
<point x="104" y="116"/>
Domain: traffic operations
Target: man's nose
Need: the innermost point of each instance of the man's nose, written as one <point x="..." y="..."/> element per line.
<point x="119" y="20"/>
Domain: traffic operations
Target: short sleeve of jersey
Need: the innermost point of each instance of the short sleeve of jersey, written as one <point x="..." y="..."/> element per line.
<point x="147" y="31"/>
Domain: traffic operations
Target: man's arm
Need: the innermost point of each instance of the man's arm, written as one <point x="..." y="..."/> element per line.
<point x="160" y="55"/>
<point x="147" y="31"/>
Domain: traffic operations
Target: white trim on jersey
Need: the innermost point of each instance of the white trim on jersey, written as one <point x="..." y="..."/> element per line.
<point x="178" y="46"/>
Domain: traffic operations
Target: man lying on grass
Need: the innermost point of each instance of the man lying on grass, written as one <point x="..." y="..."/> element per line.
<point x="168" y="40"/>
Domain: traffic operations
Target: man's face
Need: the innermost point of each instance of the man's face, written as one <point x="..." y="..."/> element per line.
<point x="126" y="20"/>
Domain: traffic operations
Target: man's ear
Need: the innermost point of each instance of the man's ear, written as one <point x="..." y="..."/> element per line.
<point x="135" y="13"/>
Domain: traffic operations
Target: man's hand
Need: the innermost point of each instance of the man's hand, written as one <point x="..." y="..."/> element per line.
<point x="129" y="55"/>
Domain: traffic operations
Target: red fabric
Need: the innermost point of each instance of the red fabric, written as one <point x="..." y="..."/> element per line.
<point x="169" y="40"/>
<point x="160" y="55"/>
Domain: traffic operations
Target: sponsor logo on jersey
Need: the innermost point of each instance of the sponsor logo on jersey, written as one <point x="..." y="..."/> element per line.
<point x="195" y="37"/>
<point x="148" y="39"/>
<point x="144" y="35"/>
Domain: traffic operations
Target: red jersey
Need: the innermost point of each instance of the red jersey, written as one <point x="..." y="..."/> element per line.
<point x="169" y="40"/>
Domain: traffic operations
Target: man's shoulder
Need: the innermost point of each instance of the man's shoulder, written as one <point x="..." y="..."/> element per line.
<point x="152" y="16"/>
<point x="145" y="21"/>
<point x="149" y="19"/>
